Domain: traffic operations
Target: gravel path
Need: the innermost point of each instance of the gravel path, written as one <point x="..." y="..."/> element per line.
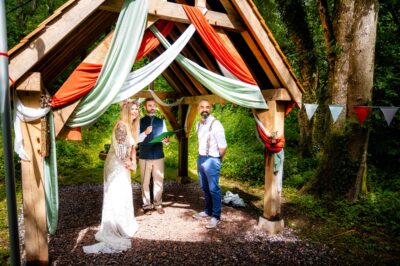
<point x="175" y="238"/>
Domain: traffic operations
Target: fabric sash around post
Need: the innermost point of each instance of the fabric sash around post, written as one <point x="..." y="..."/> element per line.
<point x="51" y="181"/>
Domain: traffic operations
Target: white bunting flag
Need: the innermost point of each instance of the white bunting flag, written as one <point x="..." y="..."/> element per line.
<point x="310" y="109"/>
<point x="388" y="113"/>
<point x="335" y="111"/>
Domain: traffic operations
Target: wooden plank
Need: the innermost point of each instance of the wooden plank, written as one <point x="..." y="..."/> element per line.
<point x="190" y="117"/>
<point x="32" y="83"/>
<point x="268" y="48"/>
<point x="276" y="95"/>
<point x="36" y="246"/>
<point x="45" y="41"/>
<point x="174" y="12"/>
<point x="200" y="3"/>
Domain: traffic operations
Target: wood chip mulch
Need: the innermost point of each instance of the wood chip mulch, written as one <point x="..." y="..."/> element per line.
<point x="175" y="238"/>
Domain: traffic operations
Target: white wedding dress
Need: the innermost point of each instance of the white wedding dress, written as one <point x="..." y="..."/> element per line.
<point x="118" y="223"/>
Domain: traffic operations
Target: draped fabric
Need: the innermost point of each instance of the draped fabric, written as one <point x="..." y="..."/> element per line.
<point x="51" y="181"/>
<point x="142" y="77"/>
<point x="84" y="77"/>
<point x="79" y="83"/>
<point x="123" y="50"/>
<point x="232" y="90"/>
<point x="234" y="64"/>
<point x="272" y="143"/>
<point x="25" y="114"/>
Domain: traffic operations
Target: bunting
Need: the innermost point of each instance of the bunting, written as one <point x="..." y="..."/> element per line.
<point x="360" y="112"/>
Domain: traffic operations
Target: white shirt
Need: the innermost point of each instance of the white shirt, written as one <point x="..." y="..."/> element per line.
<point x="217" y="139"/>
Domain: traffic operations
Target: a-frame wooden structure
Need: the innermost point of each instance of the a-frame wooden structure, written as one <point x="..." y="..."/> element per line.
<point x="66" y="37"/>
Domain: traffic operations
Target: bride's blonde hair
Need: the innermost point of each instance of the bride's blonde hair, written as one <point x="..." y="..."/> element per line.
<point x="126" y="117"/>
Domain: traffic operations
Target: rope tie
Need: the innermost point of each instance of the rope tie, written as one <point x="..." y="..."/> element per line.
<point x="6" y="55"/>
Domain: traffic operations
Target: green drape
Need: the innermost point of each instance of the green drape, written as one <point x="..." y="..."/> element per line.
<point x="232" y="90"/>
<point x="51" y="180"/>
<point x="118" y="63"/>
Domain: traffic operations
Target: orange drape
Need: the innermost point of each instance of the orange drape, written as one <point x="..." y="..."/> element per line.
<point x="84" y="77"/>
<point x="215" y="44"/>
<point x="273" y="145"/>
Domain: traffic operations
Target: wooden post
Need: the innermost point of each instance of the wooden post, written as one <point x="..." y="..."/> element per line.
<point x="36" y="246"/>
<point x="183" y="153"/>
<point x="273" y="121"/>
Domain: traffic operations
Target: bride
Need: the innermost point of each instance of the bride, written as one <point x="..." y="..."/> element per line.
<point x="118" y="223"/>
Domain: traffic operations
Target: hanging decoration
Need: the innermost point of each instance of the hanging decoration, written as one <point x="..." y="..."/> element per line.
<point x="310" y="109"/>
<point x="388" y="113"/>
<point x="272" y="142"/>
<point x="361" y="113"/>
<point x="335" y="111"/>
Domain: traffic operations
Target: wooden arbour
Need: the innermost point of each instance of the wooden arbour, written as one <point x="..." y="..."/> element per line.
<point x="66" y="37"/>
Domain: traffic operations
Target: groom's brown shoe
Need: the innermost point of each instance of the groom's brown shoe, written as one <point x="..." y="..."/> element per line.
<point x="160" y="210"/>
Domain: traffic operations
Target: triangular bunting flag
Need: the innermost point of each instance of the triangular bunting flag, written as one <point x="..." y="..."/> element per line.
<point x="335" y="111"/>
<point x="388" y="113"/>
<point x="361" y="113"/>
<point x="310" y="109"/>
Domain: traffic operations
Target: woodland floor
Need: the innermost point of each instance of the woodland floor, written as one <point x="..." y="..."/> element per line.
<point x="175" y="238"/>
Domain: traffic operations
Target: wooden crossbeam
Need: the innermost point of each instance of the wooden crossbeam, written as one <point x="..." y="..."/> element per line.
<point x="174" y="12"/>
<point x="269" y="95"/>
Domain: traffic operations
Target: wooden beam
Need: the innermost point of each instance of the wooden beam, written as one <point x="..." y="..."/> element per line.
<point x="161" y="95"/>
<point x="200" y="3"/>
<point x="174" y="12"/>
<point x="183" y="152"/>
<point x="273" y="121"/>
<point x="32" y="83"/>
<point x="269" y="95"/>
<point x="36" y="246"/>
<point x="41" y="45"/>
<point x="266" y="43"/>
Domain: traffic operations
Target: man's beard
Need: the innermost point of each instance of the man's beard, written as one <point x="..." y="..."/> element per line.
<point x="204" y="114"/>
<point x="151" y="112"/>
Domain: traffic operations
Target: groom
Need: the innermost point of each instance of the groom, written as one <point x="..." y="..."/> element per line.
<point x="151" y="157"/>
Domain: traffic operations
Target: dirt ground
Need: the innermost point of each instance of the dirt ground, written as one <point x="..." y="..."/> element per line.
<point x="175" y="238"/>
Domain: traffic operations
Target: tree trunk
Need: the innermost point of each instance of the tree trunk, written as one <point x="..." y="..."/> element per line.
<point x="294" y="16"/>
<point x="343" y="166"/>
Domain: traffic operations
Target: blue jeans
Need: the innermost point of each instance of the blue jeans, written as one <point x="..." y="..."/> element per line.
<point x="208" y="170"/>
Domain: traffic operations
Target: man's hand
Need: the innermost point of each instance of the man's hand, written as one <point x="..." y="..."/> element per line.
<point x="165" y="140"/>
<point x="148" y="130"/>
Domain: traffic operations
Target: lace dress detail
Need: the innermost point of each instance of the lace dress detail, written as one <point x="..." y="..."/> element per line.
<point x="118" y="223"/>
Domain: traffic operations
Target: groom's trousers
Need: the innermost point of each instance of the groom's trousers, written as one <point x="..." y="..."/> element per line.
<point x="153" y="168"/>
